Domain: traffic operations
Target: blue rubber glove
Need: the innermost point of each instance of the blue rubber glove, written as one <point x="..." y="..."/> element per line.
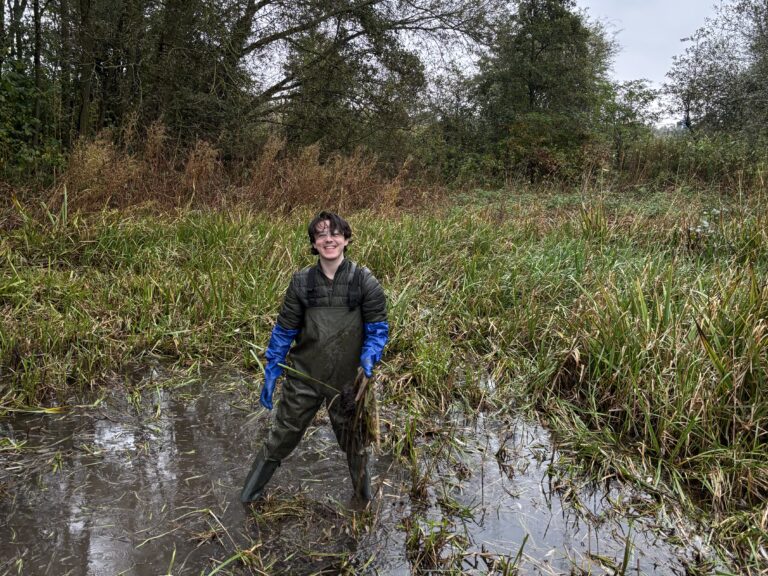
<point x="376" y="336"/>
<point x="279" y="343"/>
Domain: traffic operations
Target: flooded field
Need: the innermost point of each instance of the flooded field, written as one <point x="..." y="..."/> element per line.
<point x="147" y="482"/>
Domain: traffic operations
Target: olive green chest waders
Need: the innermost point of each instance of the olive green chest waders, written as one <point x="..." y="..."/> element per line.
<point x="328" y="351"/>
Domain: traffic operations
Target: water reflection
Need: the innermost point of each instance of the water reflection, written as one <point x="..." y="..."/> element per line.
<point x="154" y="490"/>
<point x="498" y="493"/>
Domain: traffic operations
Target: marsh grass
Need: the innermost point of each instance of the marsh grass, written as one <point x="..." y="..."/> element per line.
<point x="638" y="331"/>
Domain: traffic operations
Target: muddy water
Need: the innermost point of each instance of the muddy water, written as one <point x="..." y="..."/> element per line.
<point x="147" y="483"/>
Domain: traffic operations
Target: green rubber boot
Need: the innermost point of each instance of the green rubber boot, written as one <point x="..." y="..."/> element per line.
<point x="361" y="478"/>
<point x="260" y="474"/>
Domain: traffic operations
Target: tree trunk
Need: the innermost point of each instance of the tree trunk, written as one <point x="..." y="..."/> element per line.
<point x="130" y="89"/>
<point x="86" y="68"/>
<point x="124" y="78"/>
<point x="65" y="65"/>
<point x="37" y="71"/>
<point x="2" y="36"/>
<point x="16" y="29"/>
<point x="239" y="35"/>
<point x="174" y="24"/>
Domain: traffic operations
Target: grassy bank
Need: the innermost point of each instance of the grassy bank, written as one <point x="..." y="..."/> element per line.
<point x="637" y="326"/>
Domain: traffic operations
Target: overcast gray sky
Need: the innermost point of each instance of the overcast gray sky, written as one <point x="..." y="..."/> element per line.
<point x="649" y="32"/>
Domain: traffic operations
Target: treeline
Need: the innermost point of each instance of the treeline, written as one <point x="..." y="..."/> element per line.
<point x="452" y="90"/>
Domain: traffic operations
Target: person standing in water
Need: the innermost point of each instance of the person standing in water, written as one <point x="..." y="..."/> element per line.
<point x="336" y="312"/>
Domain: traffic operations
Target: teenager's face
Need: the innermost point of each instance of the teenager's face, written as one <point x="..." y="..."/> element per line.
<point x="329" y="243"/>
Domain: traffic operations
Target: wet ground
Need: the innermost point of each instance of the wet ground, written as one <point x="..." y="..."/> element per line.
<point x="147" y="482"/>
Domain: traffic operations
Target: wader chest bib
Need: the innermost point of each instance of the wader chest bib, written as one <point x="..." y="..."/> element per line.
<point x="329" y="344"/>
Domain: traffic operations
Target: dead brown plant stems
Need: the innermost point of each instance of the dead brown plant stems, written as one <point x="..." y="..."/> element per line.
<point x="100" y="175"/>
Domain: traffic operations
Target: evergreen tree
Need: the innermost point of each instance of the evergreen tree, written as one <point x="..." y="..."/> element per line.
<point x="541" y="86"/>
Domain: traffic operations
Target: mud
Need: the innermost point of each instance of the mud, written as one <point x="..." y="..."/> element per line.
<point x="147" y="482"/>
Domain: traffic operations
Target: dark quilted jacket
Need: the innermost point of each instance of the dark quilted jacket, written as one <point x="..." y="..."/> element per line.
<point x="373" y="301"/>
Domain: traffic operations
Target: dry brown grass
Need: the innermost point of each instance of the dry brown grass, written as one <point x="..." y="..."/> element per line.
<point x="283" y="181"/>
<point x="203" y="172"/>
<point x="102" y="175"/>
<point x="98" y="174"/>
<point x="155" y="149"/>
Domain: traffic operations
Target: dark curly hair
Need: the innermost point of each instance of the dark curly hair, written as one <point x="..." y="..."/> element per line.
<point x="337" y="225"/>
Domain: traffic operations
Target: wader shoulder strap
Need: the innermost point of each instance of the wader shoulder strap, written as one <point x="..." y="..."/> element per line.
<point x="311" y="287"/>
<point x="354" y="290"/>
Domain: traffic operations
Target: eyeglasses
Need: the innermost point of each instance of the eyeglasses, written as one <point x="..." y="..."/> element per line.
<point x="326" y="234"/>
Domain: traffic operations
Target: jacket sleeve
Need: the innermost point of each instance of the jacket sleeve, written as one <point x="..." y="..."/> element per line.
<point x="374" y="301"/>
<point x="291" y="315"/>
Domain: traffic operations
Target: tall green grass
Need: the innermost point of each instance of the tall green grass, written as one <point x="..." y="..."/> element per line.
<point x="721" y="161"/>
<point x="636" y="324"/>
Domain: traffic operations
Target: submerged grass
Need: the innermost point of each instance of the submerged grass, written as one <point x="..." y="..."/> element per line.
<point x="631" y="322"/>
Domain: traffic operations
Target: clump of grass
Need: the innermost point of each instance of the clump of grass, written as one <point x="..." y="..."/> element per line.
<point x="677" y="372"/>
<point x="430" y="545"/>
<point x="202" y="170"/>
<point x="97" y="174"/>
<point x="327" y="542"/>
<point x="281" y="180"/>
